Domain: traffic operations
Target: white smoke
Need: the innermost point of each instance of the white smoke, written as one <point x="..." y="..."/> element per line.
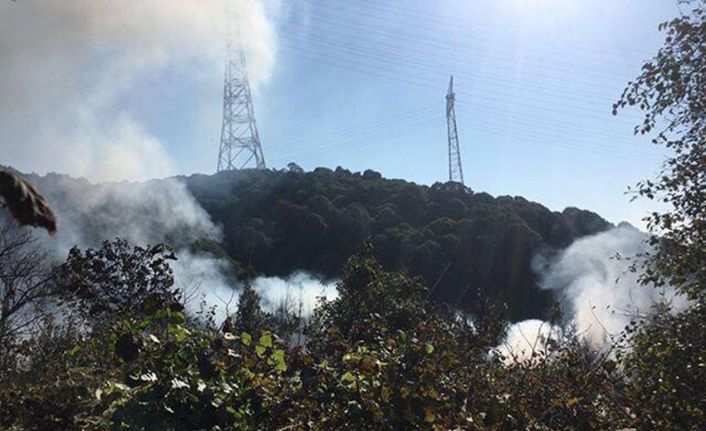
<point x="299" y="293"/>
<point x="300" y="288"/>
<point x="146" y="213"/>
<point x="598" y="289"/>
<point x="73" y="73"/>
<point x="207" y="284"/>
<point x="70" y="70"/>
<point x="594" y="280"/>
<point x="156" y="211"/>
<point x="527" y="338"/>
<point x="143" y="213"/>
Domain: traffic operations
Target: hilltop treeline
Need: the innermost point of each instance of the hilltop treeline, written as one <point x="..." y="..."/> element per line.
<point x="468" y="244"/>
<point x="276" y="222"/>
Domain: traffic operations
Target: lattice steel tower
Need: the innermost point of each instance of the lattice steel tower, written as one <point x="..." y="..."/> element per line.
<point x="240" y="141"/>
<point x="455" y="168"/>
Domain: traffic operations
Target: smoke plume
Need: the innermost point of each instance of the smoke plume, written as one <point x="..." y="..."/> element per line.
<point x="300" y="288"/>
<point x="526" y="337"/>
<point x="74" y="73"/>
<point x="598" y="289"/>
<point x="75" y="100"/>
<point x="147" y="213"/>
<point x="298" y="293"/>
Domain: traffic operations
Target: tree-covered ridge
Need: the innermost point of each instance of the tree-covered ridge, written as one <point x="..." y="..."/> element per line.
<point x="277" y="222"/>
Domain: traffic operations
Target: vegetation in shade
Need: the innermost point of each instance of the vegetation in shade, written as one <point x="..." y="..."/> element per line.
<point x="278" y="222"/>
<point x="380" y="357"/>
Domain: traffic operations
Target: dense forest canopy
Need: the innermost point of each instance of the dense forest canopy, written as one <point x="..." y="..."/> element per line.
<point x="278" y="222"/>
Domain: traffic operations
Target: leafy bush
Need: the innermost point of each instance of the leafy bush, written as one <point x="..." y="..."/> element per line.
<point x="379" y="357"/>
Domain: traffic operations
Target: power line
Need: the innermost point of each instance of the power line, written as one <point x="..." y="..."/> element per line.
<point x="394" y="57"/>
<point x="564" y="143"/>
<point x="486" y="111"/>
<point x="374" y="125"/>
<point x="396" y="15"/>
<point x="358" y="142"/>
<point x="462" y="24"/>
<point x="417" y="80"/>
<point x="335" y="26"/>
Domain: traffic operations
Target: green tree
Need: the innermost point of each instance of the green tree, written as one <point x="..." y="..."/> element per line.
<point x="670" y="92"/>
<point x="666" y="362"/>
<point x="249" y="316"/>
<point x="119" y="279"/>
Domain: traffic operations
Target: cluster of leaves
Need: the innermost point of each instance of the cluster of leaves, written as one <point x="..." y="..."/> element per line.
<point x="277" y="222"/>
<point x="119" y="278"/>
<point x="668" y="359"/>
<point x="379" y="357"/>
<point x="670" y="92"/>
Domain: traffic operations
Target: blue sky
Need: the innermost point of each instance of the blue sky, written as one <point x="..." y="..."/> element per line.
<point x="535" y="80"/>
<point x="361" y="84"/>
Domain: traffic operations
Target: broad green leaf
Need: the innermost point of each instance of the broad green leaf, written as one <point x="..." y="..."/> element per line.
<point x="347" y="377"/>
<point x="278" y="357"/>
<point x="266" y="340"/>
<point x="246" y="338"/>
<point x="260" y="351"/>
<point x="180" y="333"/>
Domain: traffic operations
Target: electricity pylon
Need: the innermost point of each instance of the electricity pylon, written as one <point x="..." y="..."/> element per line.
<point x="240" y="140"/>
<point x="455" y="168"/>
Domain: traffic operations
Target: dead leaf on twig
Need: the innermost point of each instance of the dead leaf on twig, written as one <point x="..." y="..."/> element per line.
<point x="25" y="204"/>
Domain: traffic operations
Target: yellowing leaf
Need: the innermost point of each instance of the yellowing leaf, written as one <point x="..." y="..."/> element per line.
<point x="573" y="401"/>
<point x="429" y="415"/>
<point x="405" y="391"/>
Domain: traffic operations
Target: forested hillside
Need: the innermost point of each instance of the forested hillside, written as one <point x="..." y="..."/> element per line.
<point x="277" y="222"/>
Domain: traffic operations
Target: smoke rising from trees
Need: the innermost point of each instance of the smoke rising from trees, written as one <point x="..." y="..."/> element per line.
<point x="598" y="290"/>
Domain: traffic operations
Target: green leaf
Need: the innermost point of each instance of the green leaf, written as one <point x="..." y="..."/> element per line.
<point x="260" y="351"/>
<point x="180" y="333"/>
<point x="266" y="340"/>
<point x="278" y="358"/>
<point x="347" y="377"/>
<point x="246" y="338"/>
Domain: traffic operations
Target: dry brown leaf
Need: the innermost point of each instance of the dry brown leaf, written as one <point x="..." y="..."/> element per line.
<point x="25" y="204"/>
